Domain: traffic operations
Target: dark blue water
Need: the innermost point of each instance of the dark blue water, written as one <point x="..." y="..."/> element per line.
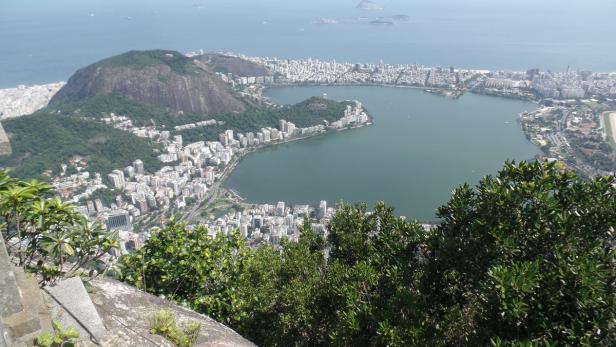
<point x="46" y="41"/>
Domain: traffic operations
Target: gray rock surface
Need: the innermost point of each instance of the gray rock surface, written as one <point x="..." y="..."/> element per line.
<point x="10" y="298"/>
<point x="165" y="79"/>
<point x="4" y="335"/>
<point x="127" y="311"/>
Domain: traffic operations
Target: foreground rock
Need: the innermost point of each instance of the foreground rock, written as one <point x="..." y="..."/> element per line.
<point x="110" y="313"/>
<point x="126" y="312"/>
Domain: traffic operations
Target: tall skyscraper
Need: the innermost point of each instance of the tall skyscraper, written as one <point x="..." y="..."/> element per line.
<point x="283" y="125"/>
<point x="323" y="209"/>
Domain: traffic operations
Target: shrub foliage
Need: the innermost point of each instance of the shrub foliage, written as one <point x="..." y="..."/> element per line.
<point x="525" y="258"/>
<point x="47" y="236"/>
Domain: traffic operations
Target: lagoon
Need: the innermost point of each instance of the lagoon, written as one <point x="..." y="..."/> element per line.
<point x="419" y="149"/>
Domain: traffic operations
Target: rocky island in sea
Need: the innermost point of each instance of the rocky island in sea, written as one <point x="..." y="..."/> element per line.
<point x="369" y="5"/>
<point x="325" y="21"/>
<point x="382" y="21"/>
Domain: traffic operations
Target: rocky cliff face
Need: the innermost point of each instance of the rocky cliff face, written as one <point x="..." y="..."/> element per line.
<point x="165" y="79"/>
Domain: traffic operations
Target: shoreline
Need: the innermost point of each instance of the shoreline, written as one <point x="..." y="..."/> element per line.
<point x="219" y="185"/>
<point x="236" y="194"/>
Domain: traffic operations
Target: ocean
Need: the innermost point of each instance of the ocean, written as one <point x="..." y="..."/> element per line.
<point x="46" y="41"/>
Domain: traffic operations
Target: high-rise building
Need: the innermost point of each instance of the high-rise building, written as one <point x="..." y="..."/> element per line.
<point x="99" y="205"/>
<point x="119" y="200"/>
<point x="283" y="125"/>
<point x="244" y="230"/>
<point x="222" y="138"/>
<point x="116" y="177"/>
<point x="151" y="200"/>
<point x="257" y="222"/>
<point x="280" y="209"/>
<point x="290" y="128"/>
<point x="178" y="140"/>
<point x="266" y="135"/>
<point x="129" y="171"/>
<point x="91" y="207"/>
<point x="142" y="205"/>
<point x="229" y="134"/>
<point x="138" y="166"/>
<point x="323" y="209"/>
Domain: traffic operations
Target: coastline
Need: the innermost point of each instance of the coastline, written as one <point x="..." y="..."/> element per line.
<point x="218" y="187"/>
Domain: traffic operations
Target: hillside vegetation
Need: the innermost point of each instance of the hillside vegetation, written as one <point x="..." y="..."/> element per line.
<point x="53" y="135"/>
<point x="526" y="258"/>
<point x="303" y="114"/>
<point x="254" y="118"/>
<point x="44" y="141"/>
<point x="178" y="62"/>
<point x="237" y="66"/>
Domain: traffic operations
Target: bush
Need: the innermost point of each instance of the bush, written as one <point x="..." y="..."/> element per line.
<point x="61" y="337"/>
<point x="47" y="236"/>
<point x="526" y="258"/>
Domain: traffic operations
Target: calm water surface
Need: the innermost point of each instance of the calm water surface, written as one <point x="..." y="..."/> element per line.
<point x="420" y="147"/>
<point x="46" y="41"/>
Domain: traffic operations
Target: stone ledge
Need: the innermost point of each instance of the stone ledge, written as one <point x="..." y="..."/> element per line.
<point x="126" y="312"/>
<point x="34" y="319"/>
<point x="10" y="297"/>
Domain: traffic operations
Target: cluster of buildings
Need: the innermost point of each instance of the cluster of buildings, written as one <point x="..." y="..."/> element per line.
<point x="313" y="71"/>
<point x="267" y="223"/>
<point x="191" y="172"/>
<point x="532" y="84"/>
<point x="535" y="84"/>
<point x="203" y="123"/>
<point x="24" y="100"/>
<point x="573" y="133"/>
<point x="126" y="124"/>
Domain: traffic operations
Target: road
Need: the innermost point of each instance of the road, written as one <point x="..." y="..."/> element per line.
<point x="214" y="192"/>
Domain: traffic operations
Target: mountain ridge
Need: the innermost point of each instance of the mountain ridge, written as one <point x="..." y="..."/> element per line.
<point x="162" y="78"/>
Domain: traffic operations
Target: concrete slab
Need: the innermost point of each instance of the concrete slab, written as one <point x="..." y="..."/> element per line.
<point x="75" y="308"/>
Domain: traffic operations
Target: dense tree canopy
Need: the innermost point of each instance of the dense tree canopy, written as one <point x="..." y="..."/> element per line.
<point x="526" y="258"/>
<point x="44" y="141"/>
